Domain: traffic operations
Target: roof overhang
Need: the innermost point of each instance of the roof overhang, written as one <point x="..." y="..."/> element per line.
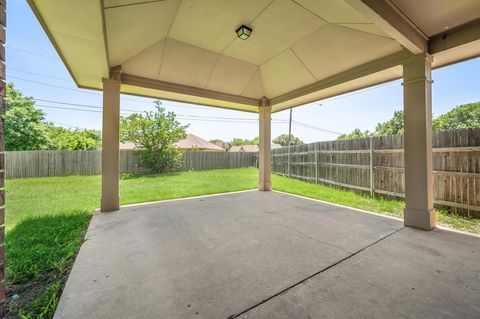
<point x="299" y="52"/>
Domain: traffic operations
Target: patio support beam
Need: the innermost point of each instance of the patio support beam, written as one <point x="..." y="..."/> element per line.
<point x="417" y="95"/>
<point x="110" y="145"/>
<point x="265" y="136"/>
<point x="393" y="22"/>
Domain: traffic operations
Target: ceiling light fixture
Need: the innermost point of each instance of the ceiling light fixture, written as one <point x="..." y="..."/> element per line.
<point x="243" y="32"/>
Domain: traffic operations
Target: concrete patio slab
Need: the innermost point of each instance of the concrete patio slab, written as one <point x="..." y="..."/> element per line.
<point x="267" y="255"/>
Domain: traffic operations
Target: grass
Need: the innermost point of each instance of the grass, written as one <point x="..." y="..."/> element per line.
<point x="47" y="219"/>
<point x="380" y="205"/>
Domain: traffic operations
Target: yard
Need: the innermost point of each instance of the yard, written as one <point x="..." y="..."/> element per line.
<point x="47" y="219"/>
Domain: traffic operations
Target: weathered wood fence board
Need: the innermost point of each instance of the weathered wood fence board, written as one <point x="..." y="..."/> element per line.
<point x="376" y="165"/>
<point x="63" y="163"/>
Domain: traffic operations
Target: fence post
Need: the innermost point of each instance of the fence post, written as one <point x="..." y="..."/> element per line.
<point x="372" y="184"/>
<point x="288" y="160"/>
<point x="316" y="163"/>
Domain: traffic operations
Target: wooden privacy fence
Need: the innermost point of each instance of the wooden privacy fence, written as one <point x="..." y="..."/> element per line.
<point x="63" y="163"/>
<point x="375" y="165"/>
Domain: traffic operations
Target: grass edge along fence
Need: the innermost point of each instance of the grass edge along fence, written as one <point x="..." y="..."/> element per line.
<point x="376" y="166"/>
<point x="24" y="164"/>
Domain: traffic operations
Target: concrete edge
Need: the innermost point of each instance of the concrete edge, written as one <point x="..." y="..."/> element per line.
<point x="377" y="214"/>
<point x="342" y="206"/>
<point x="97" y="210"/>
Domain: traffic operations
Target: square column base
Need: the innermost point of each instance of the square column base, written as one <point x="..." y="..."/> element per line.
<point x="421" y="219"/>
<point x="110" y="204"/>
<point x="265" y="186"/>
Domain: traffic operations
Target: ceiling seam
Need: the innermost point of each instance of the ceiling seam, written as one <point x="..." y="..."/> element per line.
<point x="211" y="72"/>
<point x="362" y="31"/>
<point x="251" y="21"/>
<point x="143" y="51"/>
<point x="250" y="80"/>
<point x="294" y="1"/>
<point x="162" y="56"/>
<point x="104" y="30"/>
<point x="407" y="18"/>
<point x="133" y="4"/>
<point x="294" y="44"/>
<point x="174" y="18"/>
<point x="306" y="68"/>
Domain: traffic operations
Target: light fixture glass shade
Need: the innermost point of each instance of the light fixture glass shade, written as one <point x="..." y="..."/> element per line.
<point x="243" y="32"/>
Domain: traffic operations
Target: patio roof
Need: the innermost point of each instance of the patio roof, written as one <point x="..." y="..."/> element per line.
<point x="299" y="51"/>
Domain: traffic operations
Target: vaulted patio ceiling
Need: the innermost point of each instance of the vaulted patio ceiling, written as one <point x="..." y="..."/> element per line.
<point x="299" y="51"/>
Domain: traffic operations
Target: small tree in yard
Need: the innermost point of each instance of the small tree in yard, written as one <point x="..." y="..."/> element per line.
<point x="156" y="134"/>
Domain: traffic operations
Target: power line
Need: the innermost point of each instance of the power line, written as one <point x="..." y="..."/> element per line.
<point x="305" y="125"/>
<point x="355" y="113"/>
<point x="55" y="86"/>
<point x="33" y="53"/>
<point x="38" y="74"/>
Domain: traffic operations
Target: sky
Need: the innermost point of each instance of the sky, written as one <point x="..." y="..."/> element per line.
<point x="36" y="69"/>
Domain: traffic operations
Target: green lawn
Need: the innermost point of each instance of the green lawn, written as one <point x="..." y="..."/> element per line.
<point x="47" y="219"/>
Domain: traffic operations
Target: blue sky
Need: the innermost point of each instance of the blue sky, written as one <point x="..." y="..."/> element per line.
<point x="29" y="50"/>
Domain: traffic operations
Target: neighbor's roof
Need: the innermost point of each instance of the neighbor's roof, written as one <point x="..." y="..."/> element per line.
<point x="299" y="51"/>
<point x="193" y="141"/>
<point x="127" y="146"/>
<point x="244" y="148"/>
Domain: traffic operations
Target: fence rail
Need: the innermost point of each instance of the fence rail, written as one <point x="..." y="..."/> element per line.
<point x="63" y="163"/>
<point x="375" y="165"/>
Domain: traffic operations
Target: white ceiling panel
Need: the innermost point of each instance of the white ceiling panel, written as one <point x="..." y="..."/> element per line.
<point x="186" y="64"/>
<point x="254" y="87"/>
<point x="277" y="28"/>
<point x="334" y="11"/>
<point x="230" y="75"/>
<point x="132" y="29"/>
<point x="283" y="74"/>
<point x="329" y="50"/>
<point x="211" y="24"/>
<point x="146" y="63"/>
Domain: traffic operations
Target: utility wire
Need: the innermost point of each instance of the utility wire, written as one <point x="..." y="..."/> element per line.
<point x="38" y="74"/>
<point x="33" y="53"/>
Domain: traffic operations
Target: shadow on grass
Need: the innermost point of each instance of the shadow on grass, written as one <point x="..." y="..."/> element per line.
<point x="40" y="252"/>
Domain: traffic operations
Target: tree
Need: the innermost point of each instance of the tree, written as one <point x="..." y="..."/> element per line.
<point x="239" y="141"/>
<point x="283" y="140"/>
<point x="393" y="126"/>
<point x="356" y="133"/>
<point x="156" y="133"/>
<point x="462" y="116"/>
<point x="24" y="126"/>
<point x="63" y="139"/>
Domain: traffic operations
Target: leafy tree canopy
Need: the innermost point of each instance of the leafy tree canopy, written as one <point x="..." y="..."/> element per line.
<point x="283" y="140"/>
<point x="356" y="133"/>
<point x="156" y="133"/>
<point x="24" y="128"/>
<point x="63" y="139"/>
<point x="462" y="116"/>
<point x="239" y="142"/>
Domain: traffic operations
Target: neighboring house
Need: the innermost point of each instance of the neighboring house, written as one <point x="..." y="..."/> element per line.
<point x="195" y="143"/>
<point x="127" y="146"/>
<point x="244" y="148"/>
<point x="249" y="148"/>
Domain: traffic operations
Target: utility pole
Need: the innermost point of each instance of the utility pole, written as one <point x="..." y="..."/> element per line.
<point x="289" y="142"/>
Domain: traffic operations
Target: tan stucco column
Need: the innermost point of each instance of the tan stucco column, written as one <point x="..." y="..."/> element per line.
<point x="265" y="137"/>
<point x="110" y="145"/>
<point x="417" y="95"/>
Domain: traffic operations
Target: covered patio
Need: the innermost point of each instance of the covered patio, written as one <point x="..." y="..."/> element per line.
<point x="265" y="254"/>
<point x="268" y="255"/>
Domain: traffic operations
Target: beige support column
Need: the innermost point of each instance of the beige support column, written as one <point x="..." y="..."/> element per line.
<point x="3" y="88"/>
<point x="265" y="136"/>
<point x="110" y="145"/>
<point x="417" y="95"/>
